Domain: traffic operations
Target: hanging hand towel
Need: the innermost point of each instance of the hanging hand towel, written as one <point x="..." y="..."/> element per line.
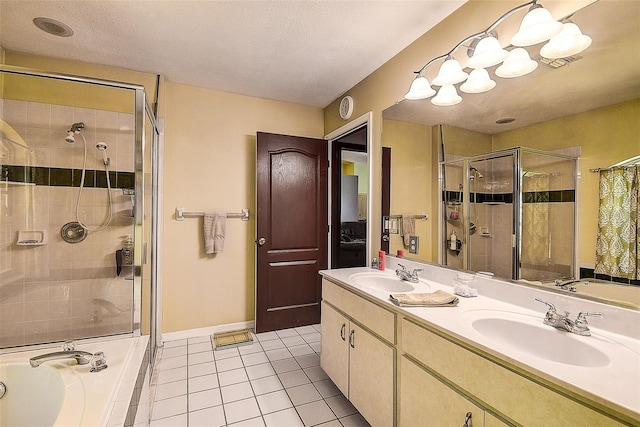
<point x="435" y="299"/>
<point x="214" y="230"/>
<point x="408" y="228"/>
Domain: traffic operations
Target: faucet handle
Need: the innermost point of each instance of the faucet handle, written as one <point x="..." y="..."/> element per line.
<point x="402" y="267"/>
<point x="551" y="316"/>
<point x="98" y="362"/>
<point x="69" y="345"/>
<point x="552" y="308"/>
<point x="581" y="326"/>
<point x="582" y="316"/>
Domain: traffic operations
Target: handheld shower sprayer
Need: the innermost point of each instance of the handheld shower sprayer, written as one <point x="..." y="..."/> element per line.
<point x="75" y="129"/>
<point x="101" y="146"/>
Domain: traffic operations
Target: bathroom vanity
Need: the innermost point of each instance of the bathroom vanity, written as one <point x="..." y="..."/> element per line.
<point x="490" y="361"/>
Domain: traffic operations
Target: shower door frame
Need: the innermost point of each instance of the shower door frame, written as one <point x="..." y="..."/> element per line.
<point x="141" y="248"/>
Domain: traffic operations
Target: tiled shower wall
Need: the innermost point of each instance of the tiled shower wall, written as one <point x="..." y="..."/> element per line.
<point x="61" y="290"/>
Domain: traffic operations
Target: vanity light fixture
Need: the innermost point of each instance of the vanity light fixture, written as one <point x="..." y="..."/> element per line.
<point x="447" y="96"/>
<point x="537" y="26"/>
<point x="420" y="89"/>
<point x="450" y="73"/>
<point x="568" y="42"/>
<point x="478" y="82"/>
<point x="485" y="51"/>
<point x="517" y="64"/>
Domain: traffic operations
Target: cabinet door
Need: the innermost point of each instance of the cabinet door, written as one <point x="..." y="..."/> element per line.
<point x="371" y="373"/>
<point x="334" y="358"/>
<point x="425" y="401"/>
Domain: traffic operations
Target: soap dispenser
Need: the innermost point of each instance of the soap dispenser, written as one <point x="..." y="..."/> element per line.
<point x="127" y="250"/>
<point x="453" y="243"/>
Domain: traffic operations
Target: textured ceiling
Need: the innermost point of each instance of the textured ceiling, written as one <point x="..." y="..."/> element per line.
<point x="306" y="52"/>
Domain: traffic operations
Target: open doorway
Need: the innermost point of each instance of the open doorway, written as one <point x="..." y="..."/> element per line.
<point x="350" y="199"/>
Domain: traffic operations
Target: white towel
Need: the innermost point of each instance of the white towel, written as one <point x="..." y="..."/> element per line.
<point x="214" y="230"/>
<point x="408" y="228"/>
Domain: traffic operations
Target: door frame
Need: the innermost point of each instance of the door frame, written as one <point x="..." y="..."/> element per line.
<point x="365" y="119"/>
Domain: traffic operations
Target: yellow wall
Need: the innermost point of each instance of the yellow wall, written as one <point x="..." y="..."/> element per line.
<point x="607" y="135"/>
<point x="412" y="182"/>
<point x="210" y="142"/>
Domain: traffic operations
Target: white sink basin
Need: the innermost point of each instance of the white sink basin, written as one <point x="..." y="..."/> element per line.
<point x="527" y="334"/>
<point x="383" y="282"/>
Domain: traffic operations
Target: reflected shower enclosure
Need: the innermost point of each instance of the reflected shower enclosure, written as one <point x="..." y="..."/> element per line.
<point x="510" y="213"/>
<point x="62" y="218"/>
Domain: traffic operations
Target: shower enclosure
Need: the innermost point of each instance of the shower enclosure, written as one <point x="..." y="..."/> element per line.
<point x="76" y="187"/>
<point x="511" y="213"/>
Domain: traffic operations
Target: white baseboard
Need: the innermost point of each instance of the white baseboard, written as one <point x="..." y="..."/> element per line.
<point x="210" y="330"/>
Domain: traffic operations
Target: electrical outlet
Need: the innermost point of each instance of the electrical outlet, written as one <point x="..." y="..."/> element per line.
<point x="413" y="244"/>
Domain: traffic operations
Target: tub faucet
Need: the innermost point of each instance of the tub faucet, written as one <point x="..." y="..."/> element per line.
<point x="404" y="274"/>
<point x="563" y="323"/>
<point x="82" y="357"/>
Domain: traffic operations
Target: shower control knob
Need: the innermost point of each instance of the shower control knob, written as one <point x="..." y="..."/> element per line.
<point x="261" y="241"/>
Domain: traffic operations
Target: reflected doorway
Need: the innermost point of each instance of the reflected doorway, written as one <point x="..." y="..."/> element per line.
<point x="349" y="199"/>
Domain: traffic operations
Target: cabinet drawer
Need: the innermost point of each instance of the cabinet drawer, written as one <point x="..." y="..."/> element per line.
<point x="374" y="317"/>
<point x="524" y="401"/>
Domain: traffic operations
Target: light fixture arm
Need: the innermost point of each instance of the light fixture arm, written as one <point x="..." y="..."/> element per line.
<point x="476" y="35"/>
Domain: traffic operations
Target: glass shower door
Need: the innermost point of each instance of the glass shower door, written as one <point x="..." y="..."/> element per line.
<point x="492" y="202"/>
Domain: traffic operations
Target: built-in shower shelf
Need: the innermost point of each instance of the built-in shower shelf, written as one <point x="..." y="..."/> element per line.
<point x="32" y="238"/>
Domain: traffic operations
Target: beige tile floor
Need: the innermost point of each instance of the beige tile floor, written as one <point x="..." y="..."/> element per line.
<point x="275" y="382"/>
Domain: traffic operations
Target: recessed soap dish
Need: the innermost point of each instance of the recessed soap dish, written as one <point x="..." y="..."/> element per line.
<point x="32" y="237"/>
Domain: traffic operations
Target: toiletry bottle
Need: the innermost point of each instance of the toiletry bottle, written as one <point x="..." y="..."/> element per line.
<point x="374" y="263"/>
<point x="453" y="243"/>
<point x="127" y="250"/>
<point x="381" y="260"/>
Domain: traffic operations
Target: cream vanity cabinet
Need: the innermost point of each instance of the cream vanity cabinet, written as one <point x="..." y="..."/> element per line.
<point x="428" y="401"/>
<point x="455" y="379"/>
<point x="358" y="352"/>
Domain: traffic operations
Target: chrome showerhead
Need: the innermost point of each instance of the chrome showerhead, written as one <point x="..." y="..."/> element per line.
<point x="75" y="128"/>
<point x="70" y="138"/>
<point x="475" y="173"/>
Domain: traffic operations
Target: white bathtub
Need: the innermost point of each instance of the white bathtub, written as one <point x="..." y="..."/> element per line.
<point x="62" y="393"/>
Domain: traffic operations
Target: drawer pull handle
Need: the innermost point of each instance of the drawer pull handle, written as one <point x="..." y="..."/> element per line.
<point x="342" y="331"/>
<point x="467" y="420"/>
<point x="352" y="341"/>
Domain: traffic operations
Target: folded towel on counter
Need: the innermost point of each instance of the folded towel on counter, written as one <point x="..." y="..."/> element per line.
<point x="408" y="228"/>
<point x="434" y="299"/>
<point x="214" y="229"/>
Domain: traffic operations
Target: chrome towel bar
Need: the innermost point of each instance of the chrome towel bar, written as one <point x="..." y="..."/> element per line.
<point x="181" y="214"/>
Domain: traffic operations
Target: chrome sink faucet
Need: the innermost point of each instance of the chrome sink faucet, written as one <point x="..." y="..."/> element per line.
<point x="562" y="321"/>
<point x="404" y="274"/>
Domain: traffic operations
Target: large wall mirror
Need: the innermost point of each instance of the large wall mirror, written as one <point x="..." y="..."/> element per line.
<point x="586" y="106"/>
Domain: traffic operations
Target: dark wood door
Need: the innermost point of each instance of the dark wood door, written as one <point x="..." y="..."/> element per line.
<point x="291" y="229"/>
<point x="386" y="196"/>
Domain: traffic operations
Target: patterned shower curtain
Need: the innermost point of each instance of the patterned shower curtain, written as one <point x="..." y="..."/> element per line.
<point x="617" y="239"/>
<point x="535" y="221"/>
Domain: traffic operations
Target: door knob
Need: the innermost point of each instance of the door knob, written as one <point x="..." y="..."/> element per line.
<point x="261" y="241"/>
